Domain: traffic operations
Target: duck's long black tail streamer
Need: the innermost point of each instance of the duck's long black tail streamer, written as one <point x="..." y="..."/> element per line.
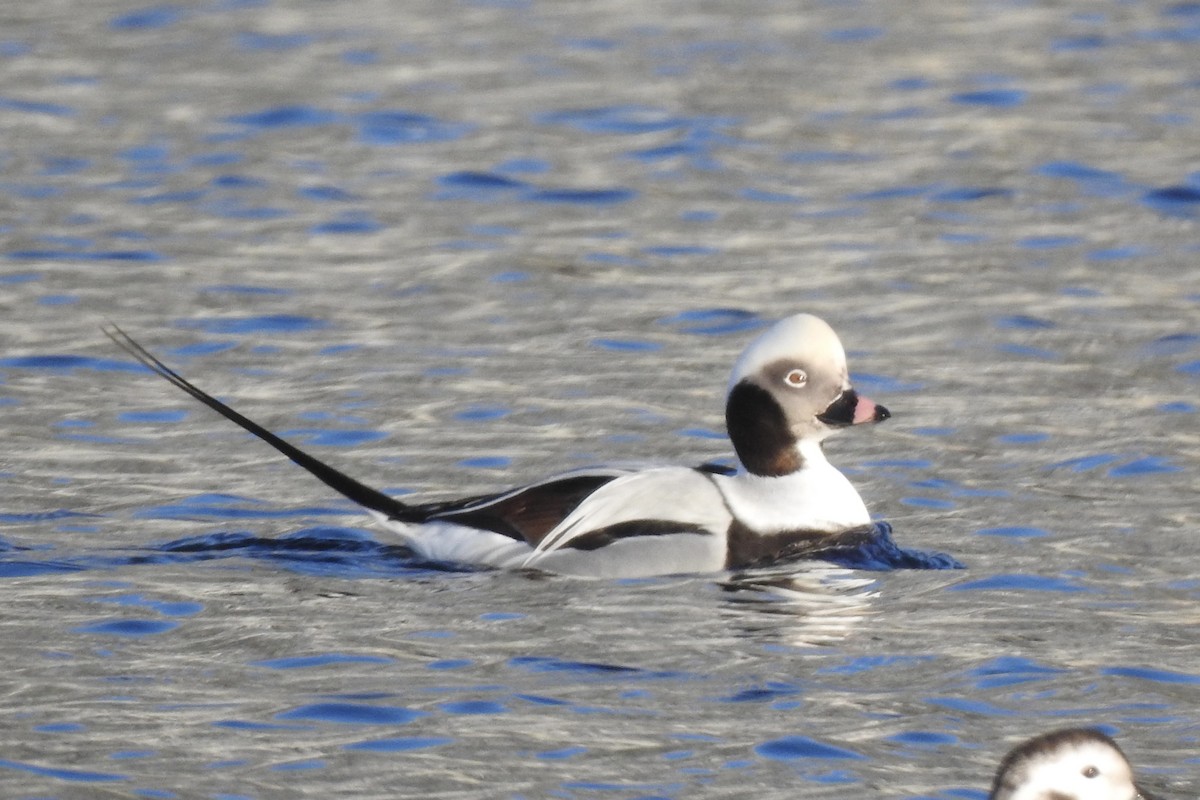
<point x="335" y="479"/>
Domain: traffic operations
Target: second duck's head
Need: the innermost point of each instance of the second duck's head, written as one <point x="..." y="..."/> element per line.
<point x="1070" y="764"/>
<point x="790" y="386"/>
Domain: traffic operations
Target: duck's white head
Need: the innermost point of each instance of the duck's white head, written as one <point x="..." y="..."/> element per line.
<point x="1072" y="764"/>
<point x="791" y="385"/>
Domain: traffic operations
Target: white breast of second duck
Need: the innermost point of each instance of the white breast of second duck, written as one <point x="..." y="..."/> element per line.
<point x="816" y="497"/>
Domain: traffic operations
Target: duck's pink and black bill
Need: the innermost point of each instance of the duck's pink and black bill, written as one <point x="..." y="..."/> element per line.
<point x="851" y="409"/>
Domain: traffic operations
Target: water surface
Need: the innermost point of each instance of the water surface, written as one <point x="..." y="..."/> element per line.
<point x="454" y="247"/>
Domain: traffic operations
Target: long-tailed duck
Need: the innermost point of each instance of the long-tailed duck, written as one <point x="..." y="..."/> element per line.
<point x="1070" y="764"/>
<point x="789" y="390"/>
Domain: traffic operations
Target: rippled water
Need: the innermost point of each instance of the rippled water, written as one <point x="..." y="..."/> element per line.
<point x="450" y="247"/>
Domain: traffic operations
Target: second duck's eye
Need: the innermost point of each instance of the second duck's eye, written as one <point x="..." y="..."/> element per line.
<point x="796" y="378"/>
<point x="1090" y="772"/>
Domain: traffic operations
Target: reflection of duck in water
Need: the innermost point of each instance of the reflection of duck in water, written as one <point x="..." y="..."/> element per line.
<point x="1071" y="764"/>
<point x="789" y="390"/>
<point x="813" y="604"/>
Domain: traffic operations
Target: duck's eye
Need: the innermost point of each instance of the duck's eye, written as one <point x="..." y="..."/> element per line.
<point x="796" y="378"/>
<point x="1090" y="772"/>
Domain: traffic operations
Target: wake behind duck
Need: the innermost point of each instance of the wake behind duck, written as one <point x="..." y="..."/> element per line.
<point x="788" y="391"/>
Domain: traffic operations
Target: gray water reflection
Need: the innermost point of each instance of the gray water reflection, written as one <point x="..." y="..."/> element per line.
<point x="820" y="605"/>
<point x="453" y="248"/>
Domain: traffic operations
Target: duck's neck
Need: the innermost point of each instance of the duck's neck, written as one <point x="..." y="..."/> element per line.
<point x="761" y="437"/>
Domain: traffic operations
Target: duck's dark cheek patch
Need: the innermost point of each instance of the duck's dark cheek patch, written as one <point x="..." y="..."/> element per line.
<point x="759" y="432"/>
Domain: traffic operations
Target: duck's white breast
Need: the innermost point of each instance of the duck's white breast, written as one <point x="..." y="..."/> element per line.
<point x="816" y="497"/>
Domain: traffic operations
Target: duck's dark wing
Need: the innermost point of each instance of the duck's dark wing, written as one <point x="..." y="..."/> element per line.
<point x="338" y="481"/>
<point x="525" y="514"/>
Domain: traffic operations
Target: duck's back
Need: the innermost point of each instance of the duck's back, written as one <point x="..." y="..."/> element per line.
<point x="659" y="521"/>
